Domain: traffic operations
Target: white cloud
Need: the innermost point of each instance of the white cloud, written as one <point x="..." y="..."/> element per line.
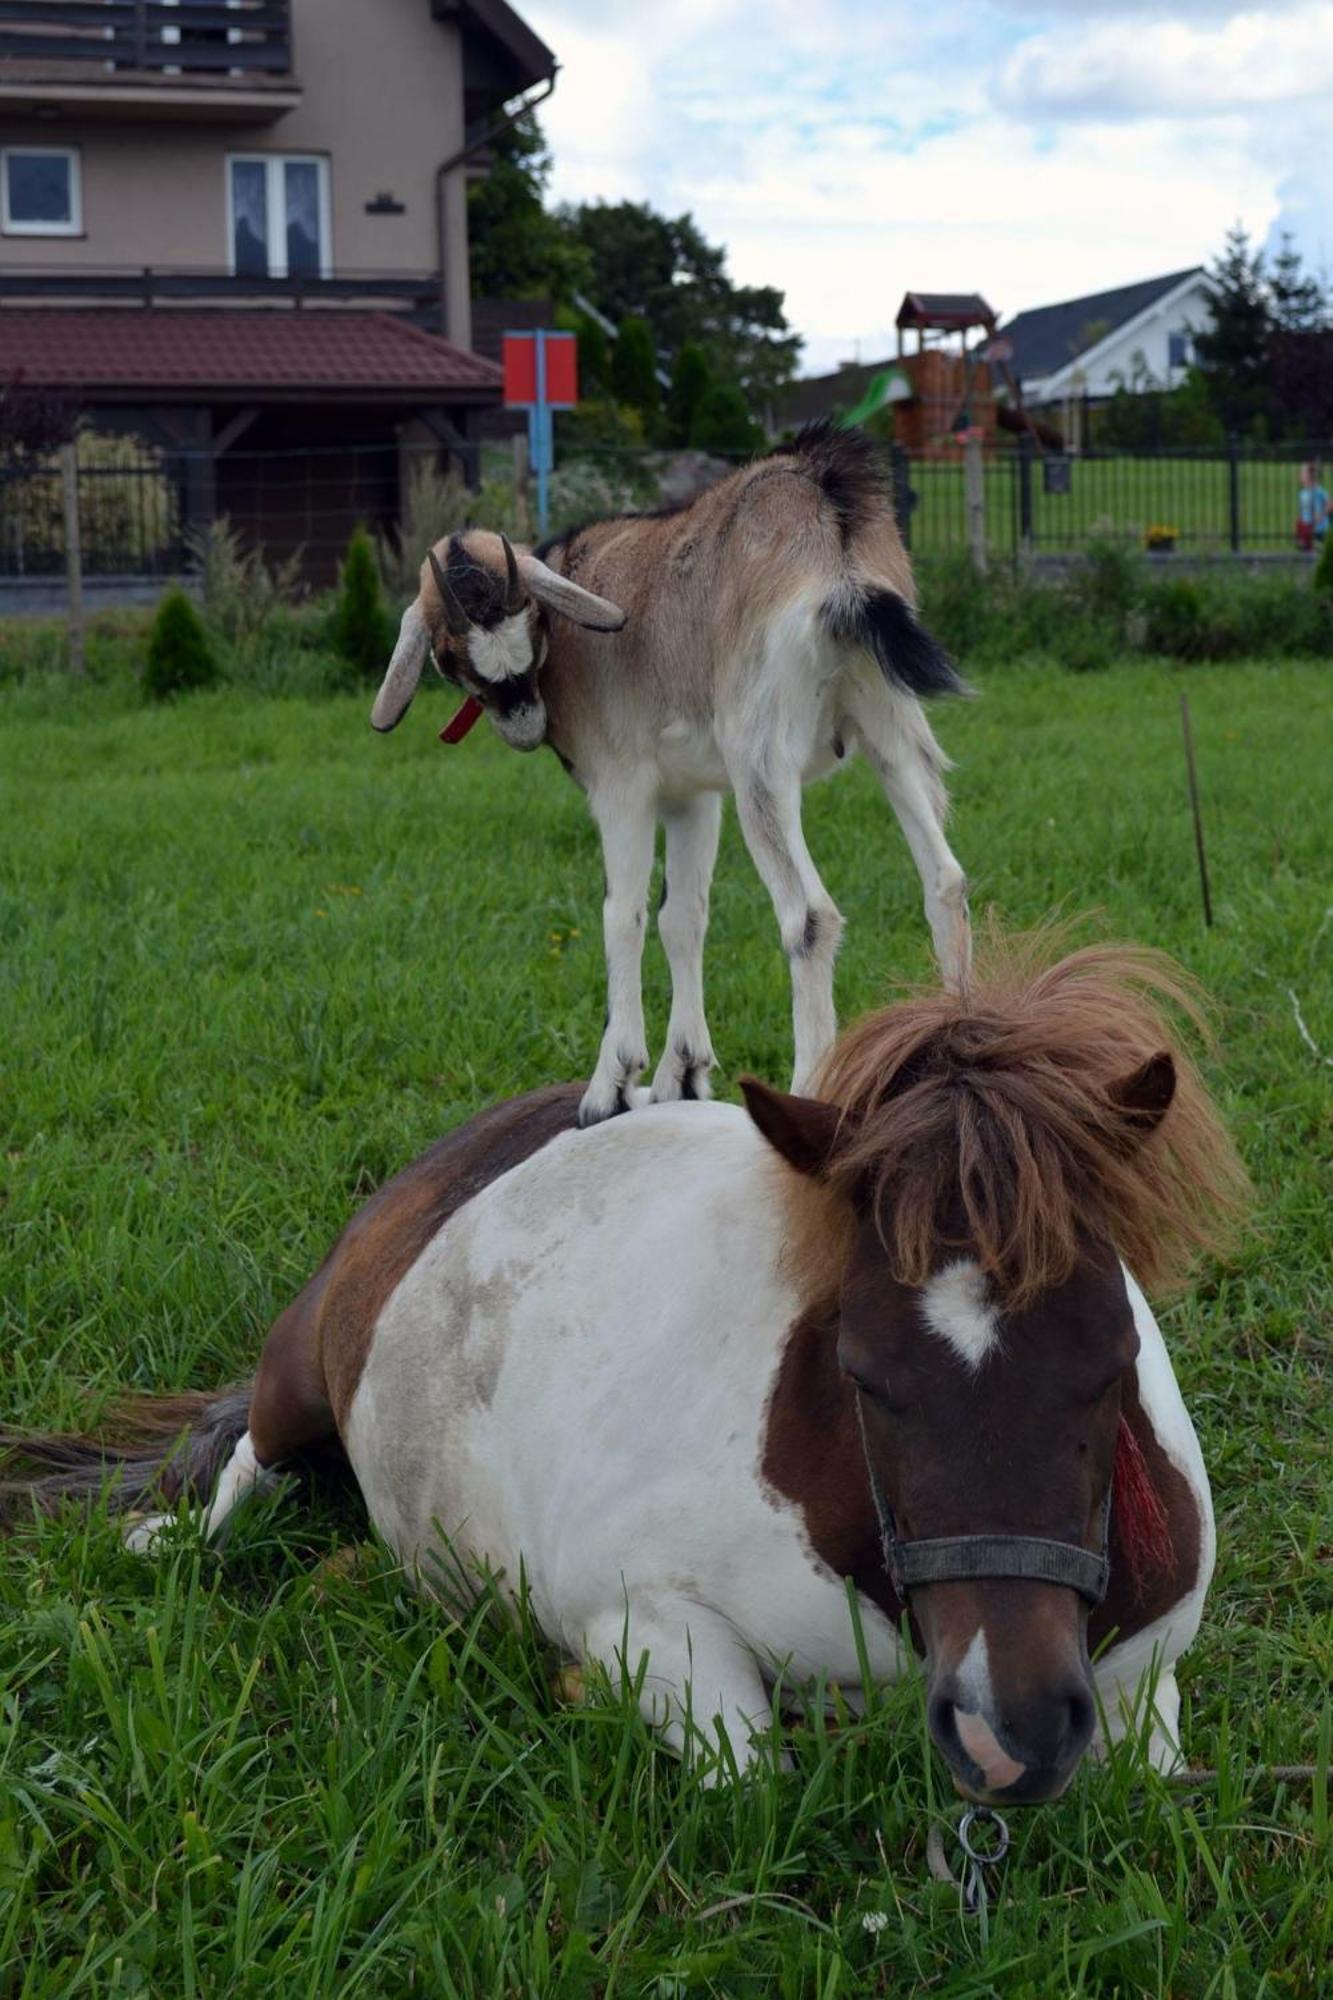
<point x="1031" y="150"/>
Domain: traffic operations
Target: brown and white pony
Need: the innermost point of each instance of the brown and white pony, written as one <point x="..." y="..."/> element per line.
<point x="695" y="1368"/>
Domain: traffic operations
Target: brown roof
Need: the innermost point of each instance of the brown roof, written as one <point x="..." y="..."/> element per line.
<point x="945" y="311"/>
<point x="224" y="352"/>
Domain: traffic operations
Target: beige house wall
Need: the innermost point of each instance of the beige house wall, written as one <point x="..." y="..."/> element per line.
<point x="382" y="99"/>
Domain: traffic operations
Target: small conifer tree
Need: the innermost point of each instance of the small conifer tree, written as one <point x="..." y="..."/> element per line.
<point x="362" y="629"/>
<point x="179" y="655"/>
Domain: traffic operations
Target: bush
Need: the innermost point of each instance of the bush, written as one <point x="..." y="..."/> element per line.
<point x="179" y="656"/>
<point x="1323" y="569"/>
<point x="362" y="630"/>
<point x="634" y="369"/>
<point x="241" y="594"/>
<point x="723" y="422"/>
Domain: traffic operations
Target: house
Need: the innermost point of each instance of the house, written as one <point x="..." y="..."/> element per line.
<point x="238" y="228"/>
<point x="1139" y="336"/>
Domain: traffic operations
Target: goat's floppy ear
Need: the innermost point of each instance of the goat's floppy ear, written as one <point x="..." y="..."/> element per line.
<point x="400" y="682"/>
<point x="802" y="1129"/>
<point x="557" y="593"/>
<point x="1144" y="1097"/>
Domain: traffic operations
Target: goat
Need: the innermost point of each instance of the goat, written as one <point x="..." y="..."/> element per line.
<point x="764" y="631"/>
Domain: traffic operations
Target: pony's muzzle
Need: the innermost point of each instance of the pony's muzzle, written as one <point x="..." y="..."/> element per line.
<point x="1021" y="1750"/>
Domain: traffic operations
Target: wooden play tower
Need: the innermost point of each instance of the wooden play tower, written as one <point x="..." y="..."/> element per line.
<point x="952" y="392"/>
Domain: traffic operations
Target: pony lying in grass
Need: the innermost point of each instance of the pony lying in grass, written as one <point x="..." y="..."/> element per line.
<point x="693" y="1370"/>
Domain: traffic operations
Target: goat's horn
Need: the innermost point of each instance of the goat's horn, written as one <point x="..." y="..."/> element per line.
<point x="454" y="615"/>
<point x="514" y="591"/>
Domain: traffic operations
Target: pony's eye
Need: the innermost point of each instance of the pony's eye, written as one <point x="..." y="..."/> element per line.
<point x="867" y="1388"/>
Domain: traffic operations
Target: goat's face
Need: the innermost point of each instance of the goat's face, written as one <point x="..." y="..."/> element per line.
<point x="486" y="612"/>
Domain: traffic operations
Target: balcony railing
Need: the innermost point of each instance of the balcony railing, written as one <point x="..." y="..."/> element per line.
<point x="218" y="40"/>
<point x="147" y="285"/>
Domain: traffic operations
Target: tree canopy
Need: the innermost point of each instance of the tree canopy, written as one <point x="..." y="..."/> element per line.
<point x="1266" y="358"/>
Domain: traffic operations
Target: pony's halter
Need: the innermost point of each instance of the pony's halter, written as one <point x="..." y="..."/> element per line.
<point x="961" y="1558"/>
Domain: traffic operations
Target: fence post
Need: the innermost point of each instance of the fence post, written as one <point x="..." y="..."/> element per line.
<point x="903" y="496"/>
<point x="1233" y="490"/>
<point x="1025" y="492"/>
<point x="69" y="479"/>
<point x="974" y="496"/>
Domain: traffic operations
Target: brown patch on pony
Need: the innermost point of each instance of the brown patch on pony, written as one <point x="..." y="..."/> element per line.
<point x="995" y="1123"/>
<point x="334" y="1318"/>
<point x="1156" y="1541"/>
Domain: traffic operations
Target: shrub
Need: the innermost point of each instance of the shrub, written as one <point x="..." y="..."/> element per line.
<point x="179" y="656"/>
<point x="1323" y="569"/>
<point x="1110" y="582"/>
<point x="723" y="422"/>
<point x="241" y="594"/>
<point x="634" y="369"/>
<point x="436" y="504"/>
<point x="362" y="630"/>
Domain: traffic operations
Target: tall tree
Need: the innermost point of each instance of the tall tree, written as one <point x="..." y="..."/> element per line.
<point x="691" y="380"/>
<point x="1233" y="351"/>
<point x="665" y="271"/>
<point x="1298" y="300"/>
<point x="518" y="249"/>
<point x="634" y="369"/>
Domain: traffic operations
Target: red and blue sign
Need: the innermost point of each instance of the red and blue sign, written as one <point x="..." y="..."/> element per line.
<point x="541" y="374"/>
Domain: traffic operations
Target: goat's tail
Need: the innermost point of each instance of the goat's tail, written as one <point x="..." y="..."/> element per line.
<point x="166" y="1447"/>
<point x="881" y="622"/>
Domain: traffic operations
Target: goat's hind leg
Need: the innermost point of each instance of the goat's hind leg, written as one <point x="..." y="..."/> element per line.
<point x="692" y="829"/>
<point x="769" y="808"/>
<point x="901" y="748"/>
<point x="627" y="819"/>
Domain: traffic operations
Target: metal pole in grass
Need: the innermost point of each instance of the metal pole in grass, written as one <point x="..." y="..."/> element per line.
<point x="1194" y="809"/>
<point x="69" y="479"/>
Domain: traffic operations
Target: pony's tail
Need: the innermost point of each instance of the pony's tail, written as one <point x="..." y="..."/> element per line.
<point x="163" y="1448"/>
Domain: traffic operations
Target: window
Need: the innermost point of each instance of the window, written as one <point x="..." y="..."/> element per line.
<point x="41" y="195"/>
<point x="1179" y="349"/>
<point x="278" y="215"/>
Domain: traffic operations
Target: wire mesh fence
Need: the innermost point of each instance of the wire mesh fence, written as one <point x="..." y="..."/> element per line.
<point x="142" y="509"/>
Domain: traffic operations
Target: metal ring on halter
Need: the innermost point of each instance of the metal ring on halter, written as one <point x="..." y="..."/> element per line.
<point x="982" y="1857"/>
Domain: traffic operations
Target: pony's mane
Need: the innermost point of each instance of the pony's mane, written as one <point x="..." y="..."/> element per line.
<point x="988" y="1121"/>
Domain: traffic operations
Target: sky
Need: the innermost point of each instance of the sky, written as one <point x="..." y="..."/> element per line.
<point x="1033" y="150"/>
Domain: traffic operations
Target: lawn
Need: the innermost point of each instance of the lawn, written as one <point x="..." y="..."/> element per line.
<point x="1115" y="497"/>
<point x="252" y="959"/>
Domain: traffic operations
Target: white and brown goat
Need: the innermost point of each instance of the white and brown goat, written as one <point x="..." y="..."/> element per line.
<point x="761" y="634"/>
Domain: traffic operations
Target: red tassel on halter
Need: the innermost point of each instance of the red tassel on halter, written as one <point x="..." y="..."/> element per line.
<point x="1140" y="1516"/>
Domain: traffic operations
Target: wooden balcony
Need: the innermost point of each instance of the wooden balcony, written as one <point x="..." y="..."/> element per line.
<point x="228" y="59"/>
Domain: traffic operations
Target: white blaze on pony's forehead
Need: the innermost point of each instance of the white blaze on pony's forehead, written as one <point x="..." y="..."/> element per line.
<point x="955" y="1305"/>
<point x="502" y="653"/>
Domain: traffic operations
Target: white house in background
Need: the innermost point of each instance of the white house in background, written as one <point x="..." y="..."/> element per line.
<point x="1139" y="336"/>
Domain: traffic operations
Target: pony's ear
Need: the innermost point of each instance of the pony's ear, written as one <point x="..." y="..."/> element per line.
<point x="1143" y="1098"/>
<point x="802" y="1129"/>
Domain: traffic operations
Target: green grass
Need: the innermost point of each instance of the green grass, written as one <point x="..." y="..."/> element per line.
<point x="1117" y="497"/>
<point x="251" y="959"/>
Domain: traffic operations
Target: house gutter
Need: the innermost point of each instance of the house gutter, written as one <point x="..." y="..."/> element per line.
<point x="459" y="322"/>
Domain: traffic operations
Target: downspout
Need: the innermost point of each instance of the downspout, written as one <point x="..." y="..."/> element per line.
<point x="451" y="165"/>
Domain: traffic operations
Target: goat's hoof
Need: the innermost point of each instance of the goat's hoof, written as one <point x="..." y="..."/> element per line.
<point x="600" y="1104"/>
<point x="682" y="1077"/>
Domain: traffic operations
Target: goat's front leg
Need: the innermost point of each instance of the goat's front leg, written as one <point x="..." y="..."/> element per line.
<point x="692" y="829"/>
<point x="909" y="763"/>
<point x="768" y="805"/>
<point x="627" y="819"/>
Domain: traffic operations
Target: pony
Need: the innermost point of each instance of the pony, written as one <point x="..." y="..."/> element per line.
<point x="694" y="1372"/>
<point x="750" y="641"/>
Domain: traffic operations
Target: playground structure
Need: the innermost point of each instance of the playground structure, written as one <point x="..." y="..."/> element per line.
<point x="951" y="391"/>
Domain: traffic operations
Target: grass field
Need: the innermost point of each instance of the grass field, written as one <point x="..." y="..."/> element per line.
<point x="252" y="958"/>
<point x="1114" y="497"/>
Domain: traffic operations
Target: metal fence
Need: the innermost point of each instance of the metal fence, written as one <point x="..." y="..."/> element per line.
<point x="1240" y="500"/>
<point x="139" y="506"/>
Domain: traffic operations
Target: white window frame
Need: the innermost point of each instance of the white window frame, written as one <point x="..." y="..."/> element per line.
<point x="74" y="227"/>
<point x="273" y="164"/>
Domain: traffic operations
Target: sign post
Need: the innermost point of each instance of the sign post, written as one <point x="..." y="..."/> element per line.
<point x="541" y="375"/>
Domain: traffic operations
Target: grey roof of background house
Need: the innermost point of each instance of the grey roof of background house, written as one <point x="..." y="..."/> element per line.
<point x="1048" y="337"/>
